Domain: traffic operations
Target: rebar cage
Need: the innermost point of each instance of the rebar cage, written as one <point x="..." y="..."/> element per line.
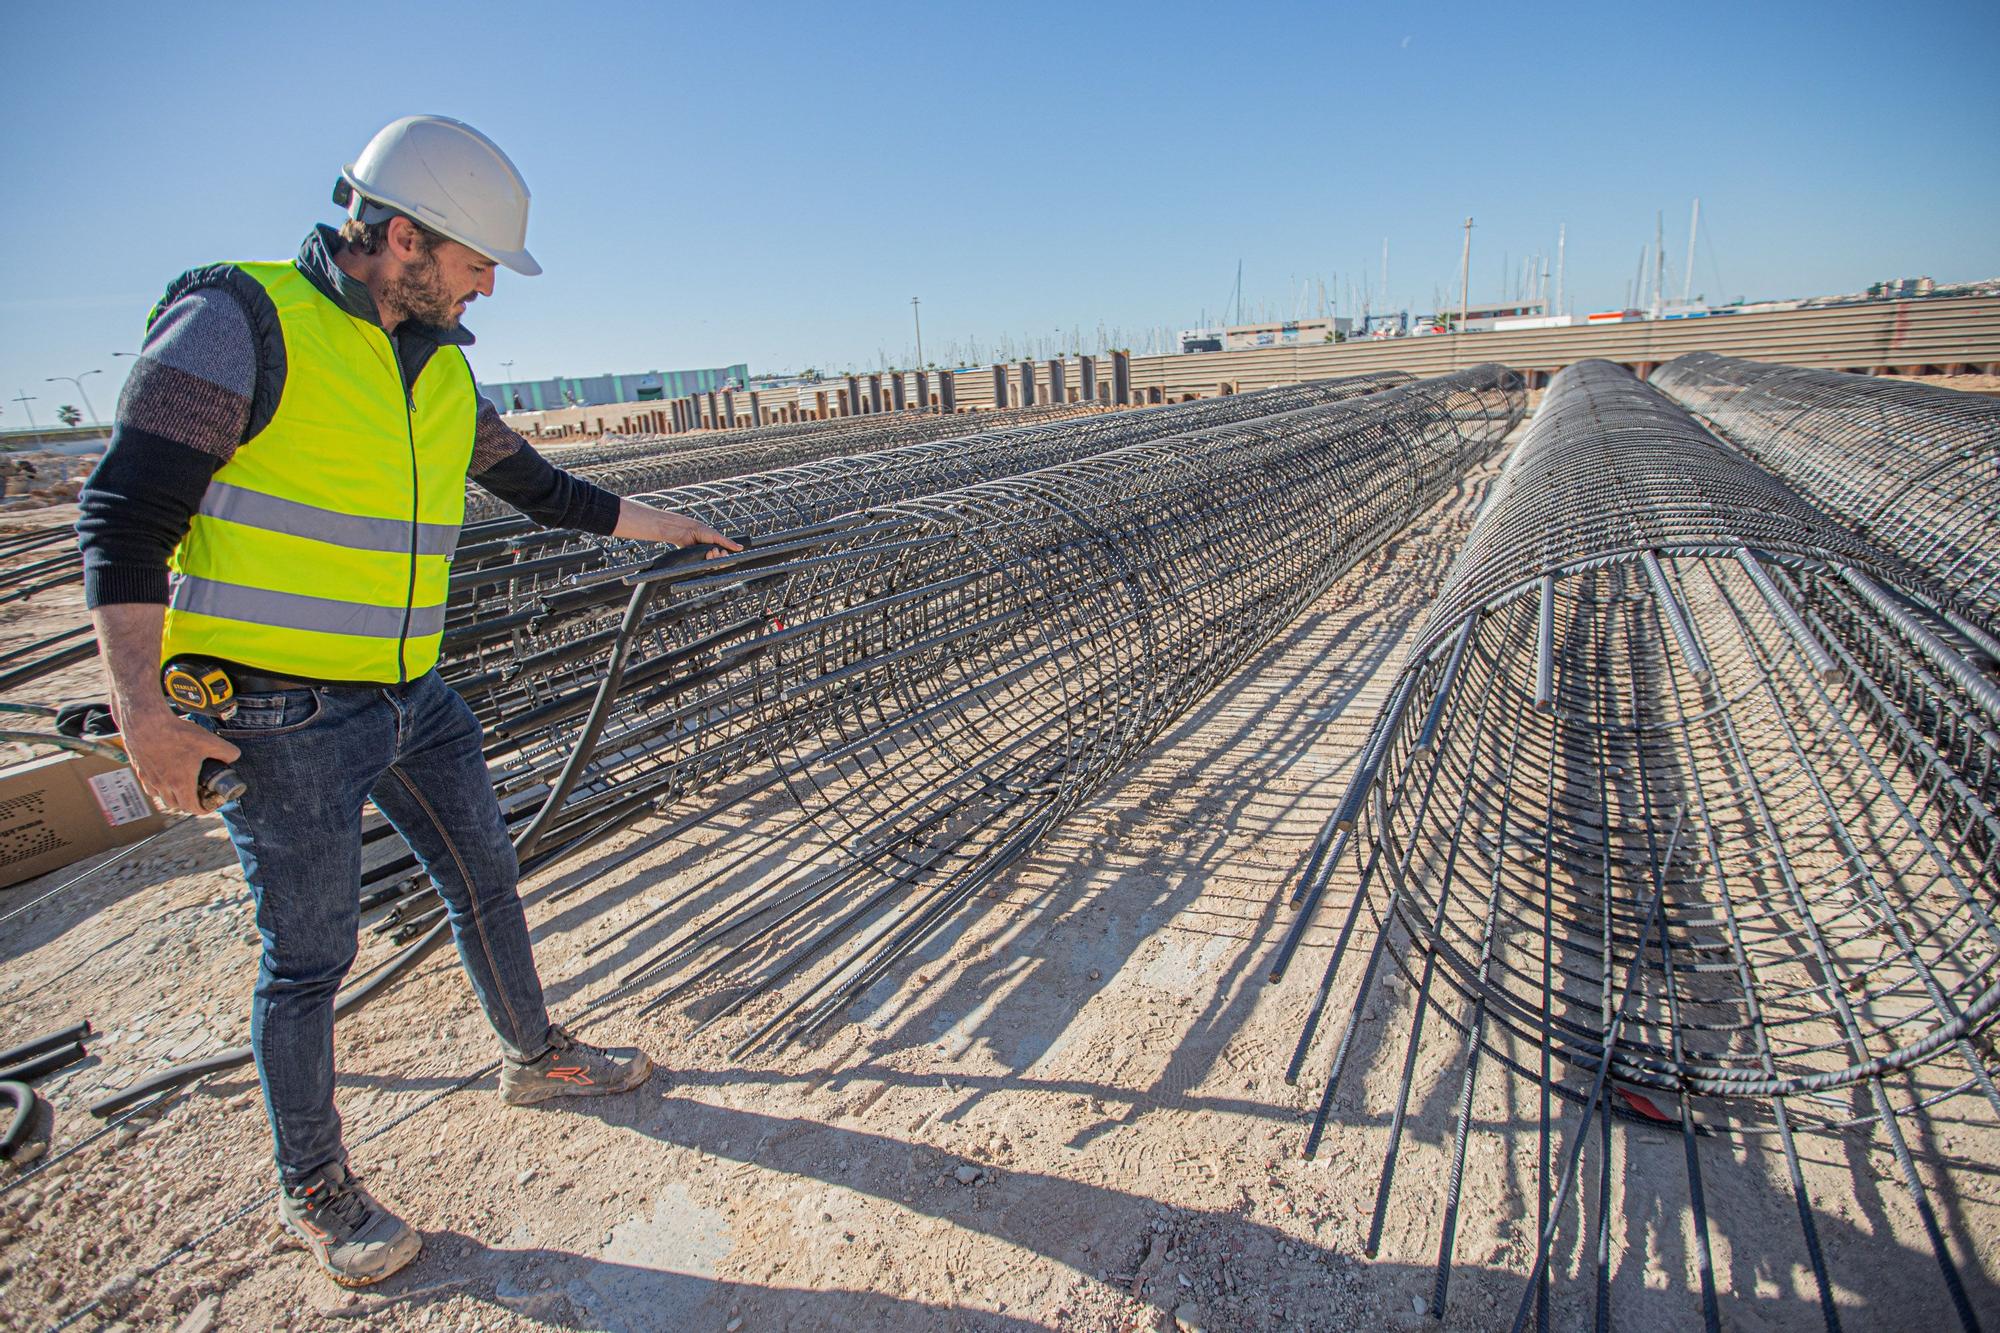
<point x="1642" y="823"/>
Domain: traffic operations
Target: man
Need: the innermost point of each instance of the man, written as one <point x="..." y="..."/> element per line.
<point x="295" y="441"/>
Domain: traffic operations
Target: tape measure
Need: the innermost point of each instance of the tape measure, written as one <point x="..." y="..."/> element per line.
<point x="199" y="685"/>
<point x="202" y="685"/>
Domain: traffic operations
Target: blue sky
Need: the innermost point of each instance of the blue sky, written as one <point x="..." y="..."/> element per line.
<point x="772" y="183"/>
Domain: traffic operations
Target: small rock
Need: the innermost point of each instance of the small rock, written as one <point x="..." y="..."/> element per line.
<point x="202" y="1318"/>
<point x="1420" y="1305"/>
<point x="1188" y="1316"/>
<point x="113" y="1293"/>
<point x="525" y="1176"/>
<point x="967" y="1175"/>
<point x="732" y="1326"/>
<point x="1096" y="975"/>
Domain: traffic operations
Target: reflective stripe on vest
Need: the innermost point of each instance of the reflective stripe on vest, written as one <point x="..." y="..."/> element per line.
<point x="323" y="547"/>
<point x="257" y="510"/>
<point x="291" y="610"/>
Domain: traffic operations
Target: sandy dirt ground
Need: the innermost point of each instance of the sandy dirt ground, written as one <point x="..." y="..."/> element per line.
<point x="1071" y="1114"/>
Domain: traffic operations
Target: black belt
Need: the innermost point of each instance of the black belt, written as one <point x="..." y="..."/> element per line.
<point x="256" y="682"/>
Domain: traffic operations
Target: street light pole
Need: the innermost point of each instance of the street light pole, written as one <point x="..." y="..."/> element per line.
<point x="78" y="380"/>
<point x="24" y="400"/>
<point x="920" y="332"/>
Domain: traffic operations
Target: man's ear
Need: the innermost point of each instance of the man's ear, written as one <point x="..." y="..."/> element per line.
<point x="406" y="241"/>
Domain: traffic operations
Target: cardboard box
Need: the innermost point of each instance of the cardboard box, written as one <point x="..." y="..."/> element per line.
<point x="68" y="806"/>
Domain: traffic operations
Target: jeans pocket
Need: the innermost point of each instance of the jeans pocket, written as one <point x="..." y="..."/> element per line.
<point x="273" y="714"/>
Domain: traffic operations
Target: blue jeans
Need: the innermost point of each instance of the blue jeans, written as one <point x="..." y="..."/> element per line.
<point x="310" y="758"/>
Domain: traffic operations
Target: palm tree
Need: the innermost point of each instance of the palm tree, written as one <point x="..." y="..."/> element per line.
<point x="68" y="415"/>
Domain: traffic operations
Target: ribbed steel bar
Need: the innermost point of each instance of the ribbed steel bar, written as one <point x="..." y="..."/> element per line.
<point x="943" y="679"/>
<point x="1914" y="466"/>
<point x="1648" y="825"/>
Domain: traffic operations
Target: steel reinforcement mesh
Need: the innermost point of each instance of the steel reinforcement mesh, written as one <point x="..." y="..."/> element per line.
<point x="1913" y="466"/>
<point x="631" y="464"/>
<point x="1645" y="825"/>
<point x="534" y="618"/>
<point x="940" y="680"/>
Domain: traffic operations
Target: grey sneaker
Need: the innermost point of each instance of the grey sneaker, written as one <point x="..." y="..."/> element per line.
<point x="569" y="1068"/>
<point x="355" y="1239"/>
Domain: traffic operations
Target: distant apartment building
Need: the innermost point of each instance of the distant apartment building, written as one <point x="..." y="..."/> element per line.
<point x="598" y="390"/>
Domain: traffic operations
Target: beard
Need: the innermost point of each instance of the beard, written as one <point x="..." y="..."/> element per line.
<point x="421" y="293"/>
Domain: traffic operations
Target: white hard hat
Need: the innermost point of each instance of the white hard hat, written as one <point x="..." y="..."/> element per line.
<point x="450" y="178"/>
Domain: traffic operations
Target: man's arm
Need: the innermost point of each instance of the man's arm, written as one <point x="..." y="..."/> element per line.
<point x="183" y="410"/>
<point x="182" y="413"/>
<point x="504" y="463"/>
<point x="642" y="522"/>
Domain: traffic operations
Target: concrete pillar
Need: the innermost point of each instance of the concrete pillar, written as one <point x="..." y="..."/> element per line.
<point x="947" y="391"/>
<point x="875" y="392"/>
<point x="1121" y="378"/>
<point x="1086" y="373"/>
<point x="1058" y="381"/>
<point x="846" y="401"/>
<point x="896" y="399"/>
<point x="853" y="396"/>
<point x="1027" y="384"/>
<point x="923" y="391"/>
<point x="999" y="385"/>
<point x="729" y="406"/>
<point x="756" y="408"/>
<point x="819" y="400"/>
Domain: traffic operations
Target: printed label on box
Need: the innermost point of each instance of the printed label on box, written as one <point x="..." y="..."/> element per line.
<point x="120" y="797"/>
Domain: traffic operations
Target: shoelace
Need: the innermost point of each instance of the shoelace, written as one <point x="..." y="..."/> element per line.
<point x="560" y="1043"/>
<point x="344" y="1201"/>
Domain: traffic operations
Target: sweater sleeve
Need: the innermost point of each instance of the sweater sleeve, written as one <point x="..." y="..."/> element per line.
<point x="505" y="464"/>
<point x="182" y="413"/>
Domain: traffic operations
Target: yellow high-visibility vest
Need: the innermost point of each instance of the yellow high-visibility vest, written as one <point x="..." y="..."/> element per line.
<point x="323" y="546"/>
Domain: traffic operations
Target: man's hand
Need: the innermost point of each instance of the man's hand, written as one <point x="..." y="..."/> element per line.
<point x="642" y="522"/>
<point x="167" y="752"/>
